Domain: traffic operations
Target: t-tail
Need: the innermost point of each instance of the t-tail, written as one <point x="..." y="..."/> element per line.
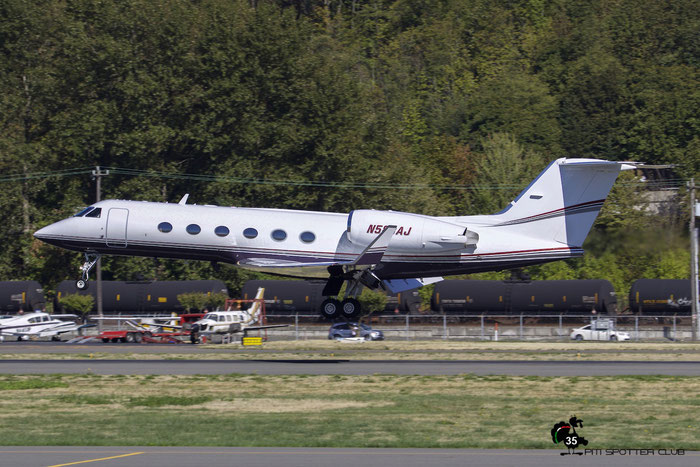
<point x="562" y="203"/>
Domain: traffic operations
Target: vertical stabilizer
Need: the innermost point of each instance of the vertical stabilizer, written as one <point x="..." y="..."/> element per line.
<point x="564" y="200"/>
<point x="256" y="308"/>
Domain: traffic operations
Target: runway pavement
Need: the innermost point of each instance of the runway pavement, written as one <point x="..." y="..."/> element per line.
<point x="351" y="367"/>
<point x="43" y="347"/>
<point x="52" y="456"/>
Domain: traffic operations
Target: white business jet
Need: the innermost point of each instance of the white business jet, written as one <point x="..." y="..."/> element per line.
<point x="36" y="324"/>
<point x="398" y="251"/>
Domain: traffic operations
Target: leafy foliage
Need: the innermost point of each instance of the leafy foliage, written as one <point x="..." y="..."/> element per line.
<point x="199" y="301"/>
<point x="77" y="303"/>
<point x="372" y="301"/>
<point x="435" y="93"/>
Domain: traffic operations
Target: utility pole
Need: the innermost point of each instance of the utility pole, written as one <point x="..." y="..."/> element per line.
<point x="97" y="175"/>
<point x="694" y="262"/>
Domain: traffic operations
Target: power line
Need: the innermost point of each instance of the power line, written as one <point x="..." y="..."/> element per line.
<point x="669" y="183"/>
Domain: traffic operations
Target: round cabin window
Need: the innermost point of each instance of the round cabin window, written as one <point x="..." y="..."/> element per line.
<point x="279" y="235"/>
<point x="221" y="231"/>
<point x="165" y="227"/>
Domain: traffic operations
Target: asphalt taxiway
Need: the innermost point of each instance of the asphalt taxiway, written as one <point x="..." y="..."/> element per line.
<point x="55" y="456"/>
<point x="350" y="367"/>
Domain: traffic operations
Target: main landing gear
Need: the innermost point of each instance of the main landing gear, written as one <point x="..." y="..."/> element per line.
<point x="90" y="260"/>
<point x="349" y="309"/>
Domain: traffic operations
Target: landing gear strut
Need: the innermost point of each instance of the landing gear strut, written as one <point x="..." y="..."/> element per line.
<point x="350" y="308"/>
<point x="90" y="260"/>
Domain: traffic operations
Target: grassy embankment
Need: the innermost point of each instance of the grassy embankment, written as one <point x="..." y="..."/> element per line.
<point x="342" y="411"/>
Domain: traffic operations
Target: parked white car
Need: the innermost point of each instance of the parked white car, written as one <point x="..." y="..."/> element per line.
<point x="593" y="332"/>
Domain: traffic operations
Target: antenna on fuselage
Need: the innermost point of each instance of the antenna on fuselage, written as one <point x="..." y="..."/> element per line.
<point x="184" y="199"/>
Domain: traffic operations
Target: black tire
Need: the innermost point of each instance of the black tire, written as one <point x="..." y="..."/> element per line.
<point x="368" y="337"/>
<point x="613" y="338"/>
<point x="578" y="337"/>
<point x="138" y="338"/>
<point x="350" y="309"/>
<point x="105" y="339"/>
<point x="130" y="337"/>
<point x="81" y="284"/>
<point x="330" y="309"/>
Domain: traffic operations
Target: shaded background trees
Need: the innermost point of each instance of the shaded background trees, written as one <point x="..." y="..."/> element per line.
<point x="434" y="96"/>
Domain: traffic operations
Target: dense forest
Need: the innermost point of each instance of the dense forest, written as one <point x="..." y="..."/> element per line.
<point x="440" y="107"/>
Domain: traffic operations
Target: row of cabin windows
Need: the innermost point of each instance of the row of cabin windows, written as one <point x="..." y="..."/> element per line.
<point x="222" y="231"/>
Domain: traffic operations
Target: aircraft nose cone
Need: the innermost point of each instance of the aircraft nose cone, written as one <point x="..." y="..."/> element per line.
<point x="48" y="231"/>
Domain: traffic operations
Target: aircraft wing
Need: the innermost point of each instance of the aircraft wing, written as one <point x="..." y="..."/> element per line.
<point x="257" y="328"/>
<point x="401" y="285"/>
<point x="150" y="326"/>
<point x="278" y="263"/>
<point x="135" y="321"/>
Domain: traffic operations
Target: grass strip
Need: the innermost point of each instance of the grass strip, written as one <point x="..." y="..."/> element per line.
<point x="465" y="411"/>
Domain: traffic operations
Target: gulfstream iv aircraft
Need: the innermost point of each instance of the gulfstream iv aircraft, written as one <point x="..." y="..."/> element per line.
<point x="398" y="251"/>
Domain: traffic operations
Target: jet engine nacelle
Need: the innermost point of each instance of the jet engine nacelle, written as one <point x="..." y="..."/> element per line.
<point x="412" y="231"/>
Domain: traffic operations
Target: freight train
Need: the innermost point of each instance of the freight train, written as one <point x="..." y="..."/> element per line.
<point x="16" y="296"/>
<point x="144" y="297"/>
<point x="515" y="297"/>
<point x="660" y="297"/>
<point x="285" y="297"/>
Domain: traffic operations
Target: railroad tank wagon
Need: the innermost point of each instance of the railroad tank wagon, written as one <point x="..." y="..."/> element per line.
<point x="286" y="297"/>
<point x="21" y="295"/>
<point x="151" y="297"/>
<point x="661" y="296"/>
<point x="536" y="297"/>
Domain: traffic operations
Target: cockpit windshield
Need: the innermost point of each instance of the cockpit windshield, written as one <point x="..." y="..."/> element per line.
<point x="94" y="213"/>
<point x="84" y="211"/>
<point x="210" y="316"/>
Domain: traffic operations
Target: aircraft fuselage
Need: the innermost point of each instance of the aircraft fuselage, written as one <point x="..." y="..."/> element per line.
<point x="301" y="243"/>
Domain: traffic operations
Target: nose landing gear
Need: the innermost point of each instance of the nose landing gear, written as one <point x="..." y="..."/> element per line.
<point x="90" y="260"/>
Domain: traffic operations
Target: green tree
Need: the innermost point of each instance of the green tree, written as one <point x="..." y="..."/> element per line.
<point x="505" y="169"/>
<point x="78" y="304"/>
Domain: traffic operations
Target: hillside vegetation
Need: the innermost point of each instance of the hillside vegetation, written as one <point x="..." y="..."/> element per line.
<point x="440" y="107"/>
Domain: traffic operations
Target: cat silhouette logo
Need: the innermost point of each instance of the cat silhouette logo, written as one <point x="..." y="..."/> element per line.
<point x="565" y="433"/>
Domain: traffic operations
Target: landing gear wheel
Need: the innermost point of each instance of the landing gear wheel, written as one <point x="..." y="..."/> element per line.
<point x="350" y="308"/>
<point x="330" y="308"/>
<point x="90" y="260"/>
